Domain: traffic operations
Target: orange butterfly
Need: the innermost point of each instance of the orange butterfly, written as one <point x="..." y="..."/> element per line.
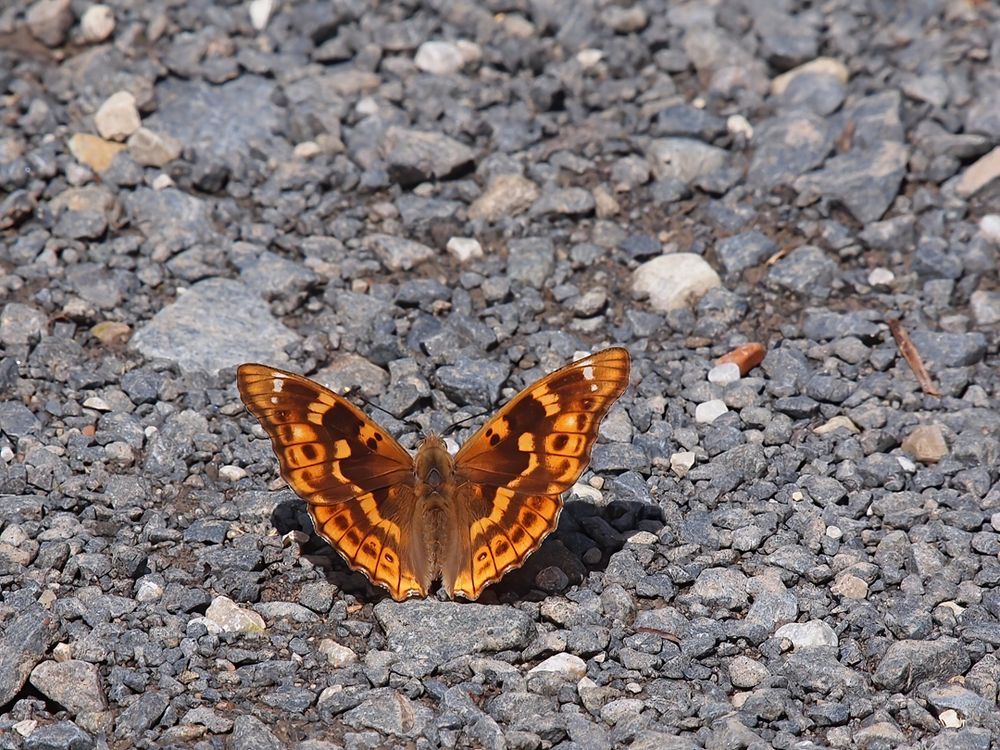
<point x="407" y="521"/>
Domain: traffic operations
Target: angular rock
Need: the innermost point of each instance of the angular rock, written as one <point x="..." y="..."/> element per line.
<point x="865" y="181"/>
<point x="506" y="195"/>
<point x="73" y="684"/>
<point x="24" y="643"/>
<point x="443" y="630"/>
<point x="399" y="253"/>
<point x="415" y="156"/>
<point x="216" y="323"/>
<point x="684" y="159"/>
<point x="675" y="280"/>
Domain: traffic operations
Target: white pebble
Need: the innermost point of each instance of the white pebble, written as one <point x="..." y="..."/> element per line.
<point x="724" y="374"/>
<point x="682" y="462"/>
<point x="834" y="423"/>
<point x="674" y="280"/>
<point x="881" y="277"/>
<point x="119" y="451"/>
<point x="338" y="655"/>
<point x="588" y="493"/>
<point x="97" y="23"/>
<point x="306" y="150"/>
<point x="569" y="665"/>
<point x="162" y="182"/>
<point x="464" y="248"/>
<point x="739" y="125"/>
<point x="643" y="537"/>
<point x="232" y="473"/>
<point x="907" y="464"/>
<point x="989" y="225"/>
<point x="807" y="634"/>
<point x="97" y="403"/>
<point x="439" y="58"/>
<point x="148" y="591"/>
<point x="950" y="719"/>
<point x="296" y="536"/>
<point x="118" y="117"/>
<point x="709" y="411"/>
<point x="260" y="13"/>
<point x="834" y="532"/>
<point x="589" y="57"/>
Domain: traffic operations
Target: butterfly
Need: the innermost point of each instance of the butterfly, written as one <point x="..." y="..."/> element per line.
<point x="406" y="521"/>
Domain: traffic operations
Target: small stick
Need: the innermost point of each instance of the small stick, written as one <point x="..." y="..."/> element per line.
<point x="912" y="356"/>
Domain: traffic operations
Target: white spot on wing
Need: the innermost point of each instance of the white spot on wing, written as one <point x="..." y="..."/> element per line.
<point x="588" y="373"/>
<point x="594" y="387"/>
<point x="274" y="399"/>
<point x="278" y="383"/>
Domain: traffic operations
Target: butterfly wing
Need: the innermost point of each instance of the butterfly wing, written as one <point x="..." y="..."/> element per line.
<point x="356" y="479"/>
<point x="512" y="472"/>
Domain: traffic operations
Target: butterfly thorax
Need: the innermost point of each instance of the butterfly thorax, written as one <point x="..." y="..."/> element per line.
<point x="434" y="471"/>
<point x="434" y="487"/>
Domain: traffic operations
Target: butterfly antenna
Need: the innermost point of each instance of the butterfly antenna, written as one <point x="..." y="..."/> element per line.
<point x="354" y="391"/>
<point x="455" y="425"/>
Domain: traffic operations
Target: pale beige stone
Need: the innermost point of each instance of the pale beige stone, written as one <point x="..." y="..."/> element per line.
<point x="93" y="151"/>
<point x="118" y="117"/>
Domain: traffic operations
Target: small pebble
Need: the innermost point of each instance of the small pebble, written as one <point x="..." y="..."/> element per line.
<point x="724" y="374"/>
<point x="97" y="23"/>
<point x="232" y="473"/>
<point x="708" y="411"/>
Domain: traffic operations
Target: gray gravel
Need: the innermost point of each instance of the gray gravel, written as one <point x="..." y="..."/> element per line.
<point x="433" y="204"/>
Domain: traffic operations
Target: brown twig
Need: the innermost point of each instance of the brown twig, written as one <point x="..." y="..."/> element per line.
<point x="912" y="357"/>
<point x="666" y="635"/>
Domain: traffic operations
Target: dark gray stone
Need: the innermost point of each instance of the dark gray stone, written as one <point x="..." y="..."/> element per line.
<point x="907" y="663"/>
<point x="414" y="156"/>
<point x="805" y="270"/>
<point x="17" y="420"/>
<point x="62" y="735"/>
<point x="575" y="202"/>
<point x="473" y="381"/>
<point x="531" y="260"/>
<point x="865" y="181"/>
<point x="220" y="123"/>
<point x="746" y="250"/>
<point x="444" y="630"/>
<point x="940" y="349"/>
<point x="788" y="146"/>
<point x="250" y="733"/>
<point x="24" y="643"/>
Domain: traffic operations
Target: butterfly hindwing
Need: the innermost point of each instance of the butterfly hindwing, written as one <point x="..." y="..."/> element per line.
<point x="356" y="479"/>
<point x="503" y="528"/>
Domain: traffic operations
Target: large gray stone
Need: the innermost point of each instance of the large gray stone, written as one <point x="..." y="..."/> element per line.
<point x="216" y="323"/>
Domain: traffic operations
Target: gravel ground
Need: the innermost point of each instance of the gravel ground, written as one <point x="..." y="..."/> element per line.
<point x="439" y="202"/>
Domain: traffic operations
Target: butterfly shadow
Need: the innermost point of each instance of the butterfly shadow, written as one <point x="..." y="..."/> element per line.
<point x="583" y="543"/>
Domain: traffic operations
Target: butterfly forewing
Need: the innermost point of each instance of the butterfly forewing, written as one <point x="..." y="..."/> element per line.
<point x="540" y="441"/>
<point x="357" y="480"/>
